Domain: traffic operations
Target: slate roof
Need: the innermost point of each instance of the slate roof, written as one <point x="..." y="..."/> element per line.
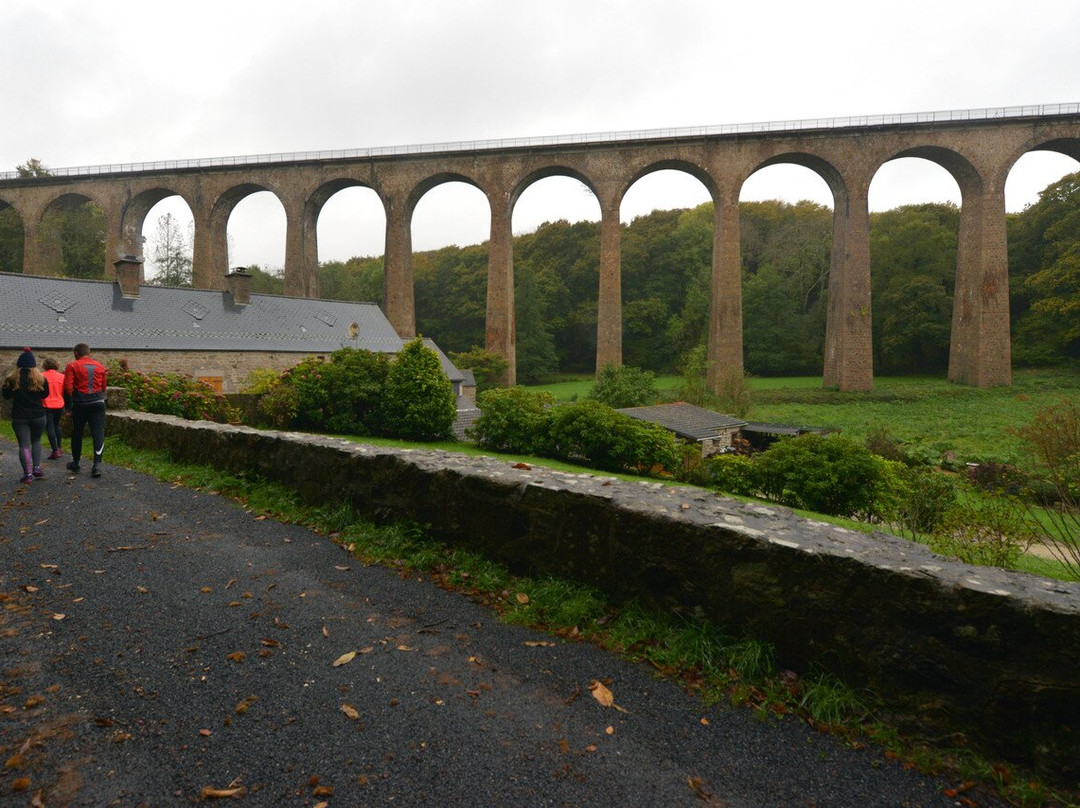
<point x="56" y="313"/>
<point x="686" y="420"/>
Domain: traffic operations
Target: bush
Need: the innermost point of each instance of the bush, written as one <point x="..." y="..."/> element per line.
<point x="732" y="474"/>
<point x="928" y="496"/>
<point x="622" y="386"/>
<point x="338" y="395"/>
<point x="593" y="433"/>
<point x="418" y="400"/>
<point x="828" y="474"/>
<point x="512" y="420"/>
<point x="173" y="394"/>
<point x="487" y="366"/>
<point x="990" y="530"/>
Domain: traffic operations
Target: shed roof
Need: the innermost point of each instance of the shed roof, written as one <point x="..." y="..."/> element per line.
<point x="56" y="313"/>
<point x="686" y="420"/>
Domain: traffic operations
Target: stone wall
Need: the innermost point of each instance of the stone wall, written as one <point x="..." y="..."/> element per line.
<point x="230" y="367"/>
<point x="978" y="656"/>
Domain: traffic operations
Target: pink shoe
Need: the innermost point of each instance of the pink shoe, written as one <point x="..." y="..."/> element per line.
<point x="55" y="454"/>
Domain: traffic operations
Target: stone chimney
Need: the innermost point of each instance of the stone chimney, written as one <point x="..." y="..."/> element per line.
<point x="239" y="286"/>
<point x="129" y="275"/>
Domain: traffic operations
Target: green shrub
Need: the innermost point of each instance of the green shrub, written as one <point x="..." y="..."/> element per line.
<point x="487" y="366"/>
<point x="512" y="420"/>
<point x="594" y="433"/>
<point x="732" y="474"/>
<point x="339" y="395"/>
<point x="828" y="474"/>
<point x="621" y="386"/>
<point x="418" y="400"/>
<point x="928" y="495"/>
<point x="261" y="381"/>
<point x="987" y="529"/>
<point x="172" y="394"/>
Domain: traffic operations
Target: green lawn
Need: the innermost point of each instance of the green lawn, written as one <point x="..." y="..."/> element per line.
<point x="930" y="416"/>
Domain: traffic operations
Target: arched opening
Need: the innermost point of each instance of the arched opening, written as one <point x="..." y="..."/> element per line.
<point x="168" y="234"/>
<point x="256" y="234"/>
<point x="72" y="238"/>
<point x="786" y="243"/>
<point x="450" y="280"/>
<point x="666" y="267"/>
<point x="12" y="238"/>
<point x="556" y="222"/>
<point x="914" y="230"/>
<point x="351" y="233"/>
<point x="1042" y="195"/>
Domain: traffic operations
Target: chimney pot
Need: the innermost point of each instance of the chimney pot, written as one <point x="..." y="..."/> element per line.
<point x="129" y="275"/>
<point x="239" y="285"/>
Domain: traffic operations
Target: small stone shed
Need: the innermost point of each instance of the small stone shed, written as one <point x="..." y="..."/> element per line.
<point x="219" y="337"/>
<point x="712" y="431"/>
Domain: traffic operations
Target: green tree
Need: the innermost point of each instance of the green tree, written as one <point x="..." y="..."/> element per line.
<point x="355" y="279"/>
<point x="170" y="253"/>
<point x="621" y="386"/>
<point x="418" y="400"/>
<point x="266" y="281"/>
<point x="913" y="273"/>
<point x="33" y="168"/>
<point x="487" y="366"/>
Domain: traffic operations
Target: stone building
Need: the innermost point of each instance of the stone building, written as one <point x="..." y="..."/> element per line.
<point x="218" y="336"/>
<point x="711" y="431"/>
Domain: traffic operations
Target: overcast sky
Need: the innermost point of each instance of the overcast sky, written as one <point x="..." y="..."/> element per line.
<point x="110" y="81"/>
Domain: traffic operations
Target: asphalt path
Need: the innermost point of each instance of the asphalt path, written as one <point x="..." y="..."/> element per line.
<point x="161" y="646"/>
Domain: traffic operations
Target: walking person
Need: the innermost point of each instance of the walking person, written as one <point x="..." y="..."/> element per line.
<point x="84" y="392"/>
<point x="54" y="405"/>
<point x="28" y="390"/>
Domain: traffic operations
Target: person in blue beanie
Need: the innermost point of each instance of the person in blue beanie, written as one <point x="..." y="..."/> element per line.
<point x="28" y="390"/>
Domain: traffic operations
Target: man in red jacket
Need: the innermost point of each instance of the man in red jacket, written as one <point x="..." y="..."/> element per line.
<point x="84" y="393"/>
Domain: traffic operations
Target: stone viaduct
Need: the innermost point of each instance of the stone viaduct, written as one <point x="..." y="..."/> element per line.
<point x="977" y="147"/>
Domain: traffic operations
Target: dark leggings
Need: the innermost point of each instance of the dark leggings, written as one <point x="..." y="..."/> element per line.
<point x="52" y="427"/>
<point x="94" y="415"/>
<point x="28" y="434"/>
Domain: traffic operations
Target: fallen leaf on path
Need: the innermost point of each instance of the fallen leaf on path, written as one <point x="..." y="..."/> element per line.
<point x="59" y="616"/>
<point x="601" y="693"/>
<point x="236" y="656"/>
<point x="522" y="598"/>
<point x="538" y="644"/>
<point x="209" y="793"/>
<point x="604" y="696"/>
<point x="344" y="659"/>
<point x="350" y="711"/>
<point x="325" y="631"/>
<point x="205" y="733"/>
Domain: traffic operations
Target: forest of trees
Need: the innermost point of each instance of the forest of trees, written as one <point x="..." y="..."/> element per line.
<point x="666" y="265"/>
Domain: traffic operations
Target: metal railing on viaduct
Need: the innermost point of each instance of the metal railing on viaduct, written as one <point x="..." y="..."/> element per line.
<point x="977" y="147"/>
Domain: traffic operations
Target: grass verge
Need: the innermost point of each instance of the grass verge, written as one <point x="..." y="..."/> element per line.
<point x="694" y="653"/>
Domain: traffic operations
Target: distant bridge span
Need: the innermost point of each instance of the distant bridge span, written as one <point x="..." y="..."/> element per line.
<point x="977" y="147"/>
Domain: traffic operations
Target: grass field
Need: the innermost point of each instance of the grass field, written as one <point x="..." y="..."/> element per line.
<point x="930" y="416"/>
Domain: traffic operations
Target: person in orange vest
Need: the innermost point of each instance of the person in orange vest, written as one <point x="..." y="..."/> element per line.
<point x="84" y="393"/>
<point x="54" y="404"/>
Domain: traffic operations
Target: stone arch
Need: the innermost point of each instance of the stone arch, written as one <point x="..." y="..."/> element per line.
<point x="55" y="218"/>
<point x="210" y="272"/>
<point x="683" y="166"/>
<point x="12" y="237"/>
<point x="533" y="177"/>
<point x="313" y="209"/>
